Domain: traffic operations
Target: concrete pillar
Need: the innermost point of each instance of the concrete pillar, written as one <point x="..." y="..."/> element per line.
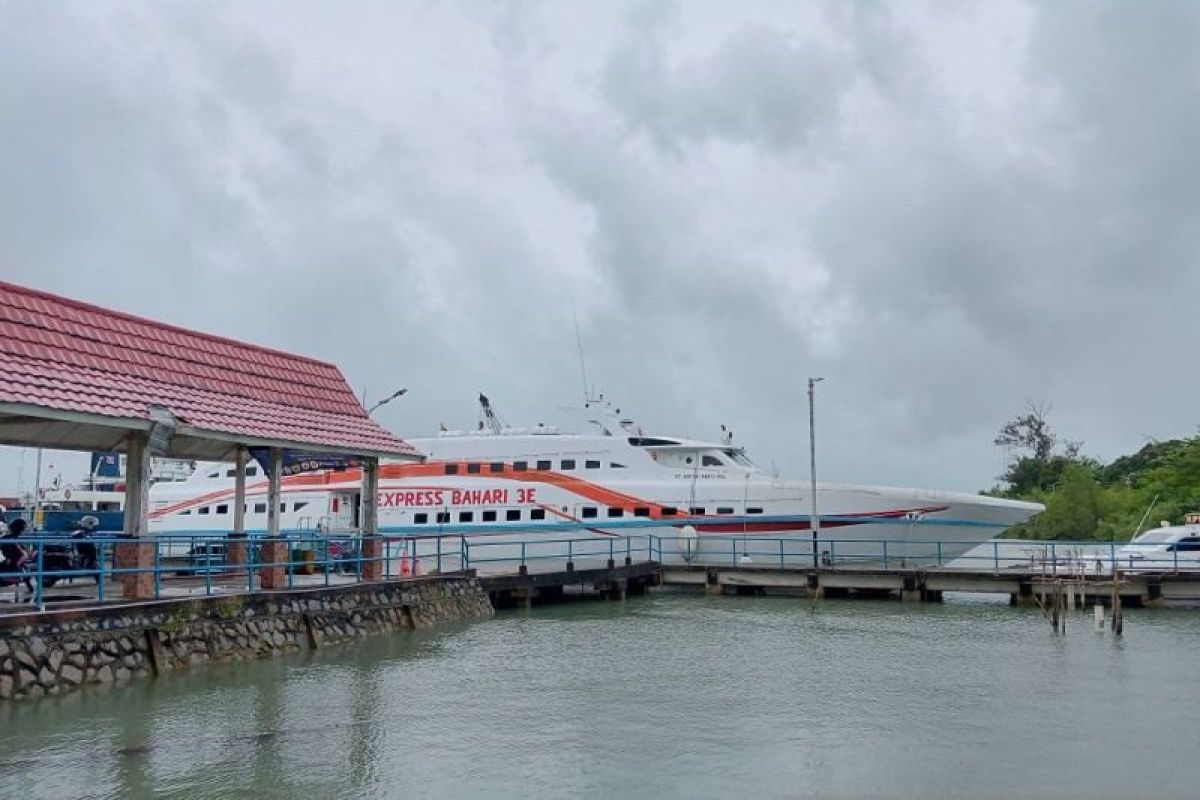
<point x="815" y="590"/>
<point x="138" y="554"/>
<point x="372" y="554"/>
<point x="372" y="543"/>
<point x="274" y="492"/>
<point x="274" y="553"/>
<point x="235" y="553"/>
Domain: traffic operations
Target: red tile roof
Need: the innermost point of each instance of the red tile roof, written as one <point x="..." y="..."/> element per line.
<point x="68" y="356"/>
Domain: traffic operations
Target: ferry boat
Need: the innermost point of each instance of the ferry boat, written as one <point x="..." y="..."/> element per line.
<point x="504" y="489"/>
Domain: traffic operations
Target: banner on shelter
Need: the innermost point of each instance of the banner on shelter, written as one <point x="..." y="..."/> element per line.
<point x="297" y="461"/>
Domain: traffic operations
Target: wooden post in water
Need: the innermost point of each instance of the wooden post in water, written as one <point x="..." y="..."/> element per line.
<point x="1118" y="616"/>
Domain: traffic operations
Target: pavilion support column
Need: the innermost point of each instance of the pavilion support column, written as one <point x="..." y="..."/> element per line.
<point x="236" y="548"/>
<point x="372" y="542"/>
<point x="138" y="553"/>
<point x="274" y="548"/>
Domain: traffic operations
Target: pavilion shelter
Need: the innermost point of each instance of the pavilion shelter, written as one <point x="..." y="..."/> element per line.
<point x="76" y="376"/>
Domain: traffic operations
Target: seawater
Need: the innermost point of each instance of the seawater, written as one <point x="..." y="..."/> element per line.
<point x="671" y="695"/>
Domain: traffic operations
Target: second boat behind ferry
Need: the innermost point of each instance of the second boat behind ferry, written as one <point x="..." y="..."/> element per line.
<point x="500" y="487"/>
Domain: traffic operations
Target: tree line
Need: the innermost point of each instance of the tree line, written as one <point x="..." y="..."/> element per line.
<point x="1086" y="498"/>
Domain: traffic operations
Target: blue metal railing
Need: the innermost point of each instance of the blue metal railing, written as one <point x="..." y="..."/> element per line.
<point x="185" y="562"/>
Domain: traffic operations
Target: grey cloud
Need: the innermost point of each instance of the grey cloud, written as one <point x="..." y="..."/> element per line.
<point x="730" y="202"/>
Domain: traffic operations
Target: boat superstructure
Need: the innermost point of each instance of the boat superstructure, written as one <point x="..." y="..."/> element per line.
<point x="539" y="483"/>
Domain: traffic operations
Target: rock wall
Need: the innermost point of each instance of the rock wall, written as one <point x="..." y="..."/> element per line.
<point x="59" y="651"/>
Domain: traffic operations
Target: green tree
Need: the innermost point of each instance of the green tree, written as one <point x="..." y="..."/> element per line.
<point x="1037" y="467"/>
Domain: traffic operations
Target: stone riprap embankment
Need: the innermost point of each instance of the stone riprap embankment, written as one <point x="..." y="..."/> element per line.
<point x="54" y="652"/>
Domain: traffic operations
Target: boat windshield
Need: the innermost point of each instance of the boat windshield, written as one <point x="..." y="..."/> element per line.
<point x="1155" y="535"/>
<point x="738" y="456"/>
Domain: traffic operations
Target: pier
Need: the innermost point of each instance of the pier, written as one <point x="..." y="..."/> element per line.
<point x="923" y="584"/>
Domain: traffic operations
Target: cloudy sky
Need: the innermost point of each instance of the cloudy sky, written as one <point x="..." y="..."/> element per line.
<point x="943" y="208"/>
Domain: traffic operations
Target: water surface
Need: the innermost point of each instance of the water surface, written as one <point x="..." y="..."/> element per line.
<point x="672" y="695"/>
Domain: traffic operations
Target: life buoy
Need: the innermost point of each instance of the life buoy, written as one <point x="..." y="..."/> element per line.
<point x="67" y="494"/>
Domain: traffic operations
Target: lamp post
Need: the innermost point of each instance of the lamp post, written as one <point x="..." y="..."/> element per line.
<point x="814" y="518"/>
<point x="386" y="400"/>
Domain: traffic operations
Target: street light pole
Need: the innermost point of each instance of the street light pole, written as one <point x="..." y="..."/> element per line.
<point x="386" y="400"/>
<point x="814" y="520"/>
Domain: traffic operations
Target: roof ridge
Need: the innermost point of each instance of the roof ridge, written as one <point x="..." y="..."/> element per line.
<point x="108" y="312"/>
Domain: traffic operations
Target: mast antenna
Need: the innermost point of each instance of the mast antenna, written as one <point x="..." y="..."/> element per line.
<point x="582" y="362"/>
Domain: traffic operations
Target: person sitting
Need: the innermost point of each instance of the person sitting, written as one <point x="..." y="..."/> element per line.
<point x="85" y="551"/>
<point x="14" y="558"/>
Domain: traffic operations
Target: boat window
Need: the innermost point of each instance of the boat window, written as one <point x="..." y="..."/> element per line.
<point x="669" y="511"/>
<point x="452" y="469"/>
<point x="251" y="472"/>
<point x="588" y="512"/>
<point x="537" y="513"/>
<point x="185" y="513"/>
<point x="229" y="473"/>
<point x="260" y="508"/>
<point x="697" y="510"/>
<point x="753" y="510"/>
<point x="298" y="506"/>
<point x="615" y="465"/>
<point x="591" y="464"/>
<point x="497" y="466"/>
<point x="520" y="466"/>
<point x="641" y="511"/>
<point x="466" y="516"/>
<point x="489" y="516"/>
<point x="202" y="510"/>
<point x="223" y="508"/>
<point x="616" y="512"/>
<point x="649" y="441"/>
<point x="724" y="510"/>
<point x="420" y="519"/>
<point x="216" y="474"/>
<point x="1186" y="544"/>
<point x="443" y="517"/>
<point x="567" y="463"/>
<point x="688" y="460"/>
<point x="473" y="468"/>
<point x="712" y="461"/>
<point x="513" y="515"/>
<point x="545" y="464"/>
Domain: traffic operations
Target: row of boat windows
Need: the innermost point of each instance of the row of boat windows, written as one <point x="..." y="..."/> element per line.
<point x="586" y="512"/>
<point x="259" y="508"/>
<point x="229" y="473"/>
<point x="567" y="464"/>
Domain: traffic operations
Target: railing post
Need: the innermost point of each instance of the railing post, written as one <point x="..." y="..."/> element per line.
<point x="781" y="559"/>
<point x="465" y="553"/>
<point x="100" y="572"/>
<point x="1175" y="552"/>
<point x="939" y="553"/>
<point x="885" y="558"/>
<point x="1112" y="557"/>
<point x="325" y="542"/>
<point x="522" y="552"/>
<point x="41" y="575"/>
<point x="833" y="552"/>
<point x="570" y="551"/>
<point x="208" y="568"/>
<point x="1053" y="557"/>
<point x="439" y="555"/>
<point x="733" y="550"/>
<point x="995" y="555"/>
